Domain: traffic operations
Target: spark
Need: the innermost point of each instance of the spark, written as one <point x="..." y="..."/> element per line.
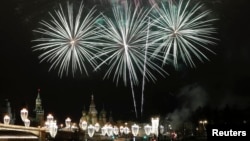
<point x="183" y="32"/>
<point x="67" y="40"/>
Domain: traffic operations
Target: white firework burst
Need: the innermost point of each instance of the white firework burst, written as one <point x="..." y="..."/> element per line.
<point x="124" y="41"/>
<point x="183" y="31"/>
<point x="67" y="40"/>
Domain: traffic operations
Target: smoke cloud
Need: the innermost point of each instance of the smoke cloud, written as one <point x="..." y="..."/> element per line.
<point x="191" y="97"/>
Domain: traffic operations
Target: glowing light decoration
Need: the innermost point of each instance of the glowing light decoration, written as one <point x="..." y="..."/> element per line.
<point x="84" y="125"/>
<point x="26" y="122"/>
<point x="121" y="129"/>
<point x="104" y="130"/>
<point x="147" y="129"/>
<point x="68" y="40"/>
<point x="24" y="114"/>
<point x="155" y="125"/>
<point x="161" y="129"/>
<point x="97" y="127"/>
<point x="116" y="130"/>
<point x="110" y="130"/>
<point x="53" y="128"/>
<point x="68" y="122"/>
<point x="126" y="130"/>
<point x="91" y="130"/>
<point x="183" y="32"/>
<point x="50" y="118"/>
<point x="135" y="129"/>
<point x="6" y="120"/>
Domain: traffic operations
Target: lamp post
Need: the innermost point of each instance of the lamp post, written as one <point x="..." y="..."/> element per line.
<point x="67" y="123"/>
<point x="24" y="114"/>
<point x="161" y="129"/>
<point x="203" y="122"/>
<point x="6" y="120"/>
<point x="135" y="130"/>
<point x="26" y="122"/>
<point x="155" y="125"/>
<point x="110" y="130"/>
<point x="53" y="129"/>
<point x="50" y="118"/>
<point x="116" y="131"/>
<point x="148" y="130"/>
<point x="97" y="127"/>
<point x="126" y="130"/>
<point x="91" y="130"/>
<point x="84" y="126"/>
<point x="104" y="130"/>
<point x="51" y="126"/>
<point x="121" y="129"/>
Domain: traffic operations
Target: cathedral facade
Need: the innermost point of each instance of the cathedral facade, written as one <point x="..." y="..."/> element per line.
<point x="91" y="117"/>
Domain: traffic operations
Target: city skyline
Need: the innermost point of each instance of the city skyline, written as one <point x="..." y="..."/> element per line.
<point x="223" y="80"/>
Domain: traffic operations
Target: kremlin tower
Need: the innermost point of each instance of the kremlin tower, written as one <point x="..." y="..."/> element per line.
<point x="39" y="110"/>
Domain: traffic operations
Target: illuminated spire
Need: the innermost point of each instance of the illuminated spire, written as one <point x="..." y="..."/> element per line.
<point x="38" y="102"/>
<point x="92" y="108"/>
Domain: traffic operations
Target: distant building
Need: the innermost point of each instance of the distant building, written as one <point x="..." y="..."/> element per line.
<point x="39" y="112"/>
<point x="91" y="117"/>
<point x="5" y="109"/>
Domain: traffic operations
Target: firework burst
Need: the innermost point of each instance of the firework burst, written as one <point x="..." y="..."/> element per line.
<point x="124" y="40"/>
<point x="68" y="40"/>
<point x="182" y="32"/>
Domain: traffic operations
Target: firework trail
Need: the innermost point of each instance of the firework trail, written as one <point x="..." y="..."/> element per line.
<point x="182" y="32"/>
<point x="123" y="40"/>
<point x="68" y="40"/>
<point x="144" y="68"/>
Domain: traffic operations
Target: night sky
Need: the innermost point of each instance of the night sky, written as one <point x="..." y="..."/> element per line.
<point x="225" y="79"/>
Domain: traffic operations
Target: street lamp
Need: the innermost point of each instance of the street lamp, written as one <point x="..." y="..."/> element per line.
<point x="104" y="130"/>
<point x="91" y="130"/>
<point x="84" y="126"/>
<point x="24" y="114"/>
<point x="26" y="122"/>
<point x="110" y="130"/>
<point x="67" y="123"/>
<point x="53" y="128"/>
<point x="97" y="127"/>
<point x="203" y="122"/>
<point x="126" y="130"/>
<point x="116" y="130"/>
<point x="74" y="127"/>
<point x="161" y="129"/>
<point x="135" y="130"/>
<point x="51" y="125"/>
<point x="121" y="130"/>
<point x="50" y="118"/>
<point x="147" y="129"/>
<point x="6" y="120"/>
<point x="155" y="125"/>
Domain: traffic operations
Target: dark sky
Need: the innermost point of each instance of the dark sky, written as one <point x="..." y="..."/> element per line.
<point x="223" y="80"/>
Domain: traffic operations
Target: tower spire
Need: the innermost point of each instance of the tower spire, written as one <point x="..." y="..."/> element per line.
<point x="92" y="110"/>
<point x="38" y="109"/>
